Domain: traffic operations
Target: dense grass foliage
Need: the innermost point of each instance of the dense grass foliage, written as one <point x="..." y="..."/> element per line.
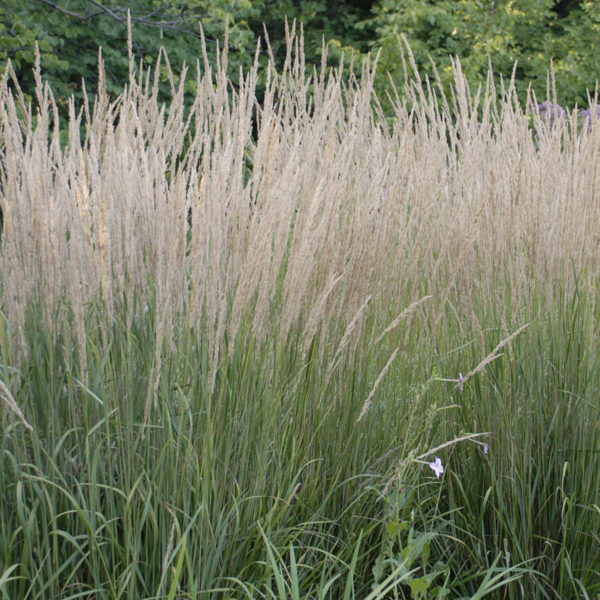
<point x="240" y="342"/>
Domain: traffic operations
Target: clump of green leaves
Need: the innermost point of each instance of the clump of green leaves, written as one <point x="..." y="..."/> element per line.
<point x="501" y="33"/>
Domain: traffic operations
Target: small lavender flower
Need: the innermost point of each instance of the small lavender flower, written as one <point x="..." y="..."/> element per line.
<point x="486" y="448"/>
<point x="461" y="382"/>
<point x="437" y="467"/>
<point x="550" y="113"/>
<point x="588" y="115"/>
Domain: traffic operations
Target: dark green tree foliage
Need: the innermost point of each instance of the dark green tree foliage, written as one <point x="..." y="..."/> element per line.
<point x="530" y="32"/>
<point x="339" y="21"/>
<point x="69" y="32"/>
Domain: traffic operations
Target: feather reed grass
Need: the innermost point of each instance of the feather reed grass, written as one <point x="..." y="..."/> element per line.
<point x="197" y="299"/>
<point x="323" y="192"/>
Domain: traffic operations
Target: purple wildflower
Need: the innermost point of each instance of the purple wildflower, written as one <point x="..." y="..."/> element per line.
<point x="437" y="467"/>
<point x="461" y="382"/>
<point x="587" y="116"/>
<point x="550" y="113"/>
<point x="486" y="448"/>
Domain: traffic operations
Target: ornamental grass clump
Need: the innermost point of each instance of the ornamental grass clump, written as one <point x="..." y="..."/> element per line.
<point x="231" y="331"/>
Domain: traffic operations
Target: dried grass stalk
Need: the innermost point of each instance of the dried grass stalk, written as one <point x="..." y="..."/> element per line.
<point x="232" y="212"/>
